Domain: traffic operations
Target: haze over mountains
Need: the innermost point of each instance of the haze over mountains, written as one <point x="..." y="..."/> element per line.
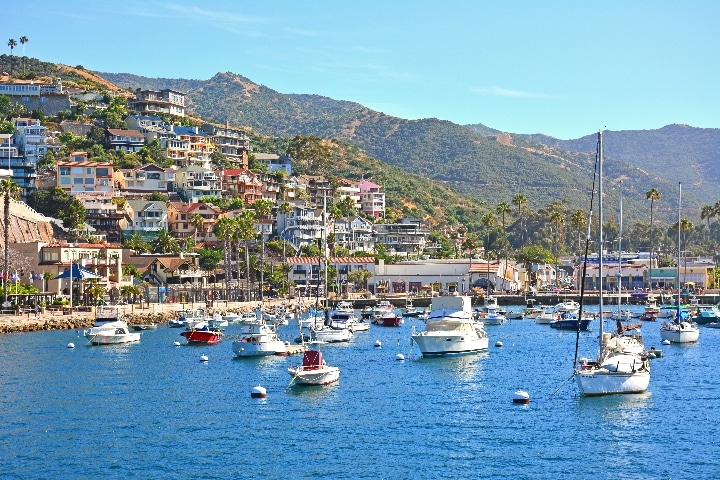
<point x="477" y="160"/>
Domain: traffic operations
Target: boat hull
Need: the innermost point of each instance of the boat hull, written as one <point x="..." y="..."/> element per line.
<point x="318" y="376"/>
<point x="258" y="349"/>
<point x="570" y="324"/>
<point x="388" y="321"/>
<point x="617" y="374"/>
<point x="113" y="339"/>
<point x="198" y="337"/>
<point x="595" y="383"/>
<point x="448" y="345"/>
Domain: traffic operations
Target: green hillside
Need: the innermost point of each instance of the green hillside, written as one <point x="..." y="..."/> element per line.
<point x="475" y="160"/>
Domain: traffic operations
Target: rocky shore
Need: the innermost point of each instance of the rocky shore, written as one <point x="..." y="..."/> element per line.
<point x="157" y="314"/>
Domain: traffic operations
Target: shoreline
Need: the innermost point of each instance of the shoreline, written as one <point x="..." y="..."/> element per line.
<point x="156" y="313"/>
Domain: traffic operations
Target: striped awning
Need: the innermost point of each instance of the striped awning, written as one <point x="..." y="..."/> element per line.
<point x="334" y="260"/>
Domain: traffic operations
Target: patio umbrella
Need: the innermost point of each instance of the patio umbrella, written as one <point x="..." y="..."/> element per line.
<point x="78" y="273"/>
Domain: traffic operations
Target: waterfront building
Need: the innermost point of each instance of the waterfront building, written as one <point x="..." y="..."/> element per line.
<point x="406" y="238"/>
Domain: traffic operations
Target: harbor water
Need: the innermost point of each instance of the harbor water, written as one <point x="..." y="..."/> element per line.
<point x="154" y="410"/>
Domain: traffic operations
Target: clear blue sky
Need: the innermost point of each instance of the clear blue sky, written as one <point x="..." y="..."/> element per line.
<point x="563" y="68"/>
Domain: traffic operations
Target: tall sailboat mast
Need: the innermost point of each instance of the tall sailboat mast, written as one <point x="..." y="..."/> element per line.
<point x="600" y="233"/>
<point x="620" y="256"/>
<point x="679" y="315"/>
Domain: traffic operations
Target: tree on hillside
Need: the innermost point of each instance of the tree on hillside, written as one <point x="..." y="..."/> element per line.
<point x="311" y="153"/>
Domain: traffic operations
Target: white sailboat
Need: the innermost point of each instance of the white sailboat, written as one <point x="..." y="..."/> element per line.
<point x="615" y="371"/>
<point x="681" y="329"/>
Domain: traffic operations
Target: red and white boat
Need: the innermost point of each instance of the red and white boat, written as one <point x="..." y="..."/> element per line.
<point x="384" y="315"/>
<point x="314" y="370"/>
<point x="202" y="334"/>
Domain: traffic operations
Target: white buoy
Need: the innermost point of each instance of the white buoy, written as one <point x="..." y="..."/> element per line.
<point x="521" y="396"/>
<point x="177" y="344"/>
<point x="399" y="356"/>
<point x="666" y="342"/>
<point x="378" y="343"/>
<point x="498" y="343"/>
<point x="203" y="358"/>
<point x="71" y="345"/>
<point x="258" y="392"/>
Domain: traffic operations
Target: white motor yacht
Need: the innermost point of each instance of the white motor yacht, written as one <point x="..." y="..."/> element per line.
<point x="111" y="333"/>
<point x="450" y="329"/>
<point x="258" y="339"/>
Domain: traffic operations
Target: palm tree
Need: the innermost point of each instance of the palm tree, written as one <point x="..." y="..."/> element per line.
<point x="487" y="221"/>
<point x="165" y="243"/>
<point x="23" y="41"/>
<point x="12" y="44"/>
<point x="246" y="232"/>
<point x="46" y="276"/>
<point x="11" y="191"/>
<point x="520" y="200"/>
<point x="263" y="209"/>
<point x="224" y="230"/>
<point x="653" y="195"/>
<point x="579" y="221"/>
<point x="706" y="213"/>
<point x="197" y="220"/>
<point x="136" y="243"/>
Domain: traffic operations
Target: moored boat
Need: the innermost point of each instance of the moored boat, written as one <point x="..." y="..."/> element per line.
<point x="258" y="339"/>
<point x="617" y="369"/>
<point x="111" y="333"/>
<point x="314" y="370"/>
<point x="202" y="333"/>
<point x="450" y="329"/>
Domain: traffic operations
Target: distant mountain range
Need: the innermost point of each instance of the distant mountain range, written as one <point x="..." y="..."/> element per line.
<point x="476" y="160"/>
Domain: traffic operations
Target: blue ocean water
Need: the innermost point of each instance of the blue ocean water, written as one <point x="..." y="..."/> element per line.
<point x="153" y="410"/>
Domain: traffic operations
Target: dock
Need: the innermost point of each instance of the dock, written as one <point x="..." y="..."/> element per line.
<point x="292" y="349"/>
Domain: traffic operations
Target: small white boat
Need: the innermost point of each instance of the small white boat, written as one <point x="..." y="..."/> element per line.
<point x="111" y="333"/>
<point x="314" y="370"/>
<point x="258" y="339"/>
<point x="328" y="334"/>
<point x="547" y="316"/>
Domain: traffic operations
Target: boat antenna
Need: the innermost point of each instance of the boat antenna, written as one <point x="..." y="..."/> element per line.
<point x="597" y="171"/>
